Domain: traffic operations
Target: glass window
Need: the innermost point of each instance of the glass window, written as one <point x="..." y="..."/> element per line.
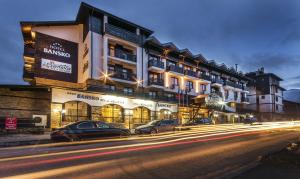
<point x="262" y="97"/>
<point x="102" y="125"/>
<point x="128" y="90"/>
<point x="111" y="113"/>
<point x="152" y="94"/>
<point x="75" y="111"/>
<point x="174" y="81"/>
<point x="85" y="125"/>
<point x="226" y="94"/>
<point x="203" y="87"/>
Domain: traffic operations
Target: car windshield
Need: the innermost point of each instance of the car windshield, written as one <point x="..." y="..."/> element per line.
<point x="153" y="122"/>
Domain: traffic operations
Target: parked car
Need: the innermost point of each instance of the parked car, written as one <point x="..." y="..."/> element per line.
<point x="88" y="130"/>
<point x="156" y="126"/>
<point x="250" y="120"/>
<point x="199" y="121"/>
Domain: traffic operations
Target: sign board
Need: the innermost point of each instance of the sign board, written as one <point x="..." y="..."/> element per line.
<point x="56" y="58"/>
<point x="93" y="99"/>
<point x="11" y="123"/>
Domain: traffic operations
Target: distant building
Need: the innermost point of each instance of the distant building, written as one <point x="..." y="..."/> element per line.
<point x="265" y="95"/>
<point x="291" y="103"/>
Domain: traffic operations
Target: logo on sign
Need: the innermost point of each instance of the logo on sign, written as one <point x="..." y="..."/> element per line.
<point x="56" y="66"/>
<point x="57" y="49"/>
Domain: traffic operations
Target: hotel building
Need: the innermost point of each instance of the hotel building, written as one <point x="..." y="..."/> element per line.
<point x="265" y="95"/>
<point x="102" y="67"/>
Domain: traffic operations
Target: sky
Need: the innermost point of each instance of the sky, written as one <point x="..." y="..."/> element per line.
<point x="250" y="33"/>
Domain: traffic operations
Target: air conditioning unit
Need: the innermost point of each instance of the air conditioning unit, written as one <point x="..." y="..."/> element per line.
<point x="40" y="120"/>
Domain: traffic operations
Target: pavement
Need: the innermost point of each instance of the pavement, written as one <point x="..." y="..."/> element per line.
<point x="24" y="139"/>
<point x="220" y="151"/>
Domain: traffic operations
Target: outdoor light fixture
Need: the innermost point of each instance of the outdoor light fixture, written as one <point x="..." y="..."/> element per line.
<point x="236" y="116"/>
<point x="221" y="102"/>
<point x="251" y="116"/>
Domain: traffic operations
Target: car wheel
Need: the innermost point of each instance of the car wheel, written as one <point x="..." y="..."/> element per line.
<point x="153" y="132"/>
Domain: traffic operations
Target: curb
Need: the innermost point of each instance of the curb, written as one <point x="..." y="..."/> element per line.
<point x="21" y="143"/>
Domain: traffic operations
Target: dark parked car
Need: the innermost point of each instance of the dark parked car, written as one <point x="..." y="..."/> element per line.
<point x="156" y="126"/>
<point x="250" y="120"/>
<point x="88" y="130"/>
<point x="199" y="121"/>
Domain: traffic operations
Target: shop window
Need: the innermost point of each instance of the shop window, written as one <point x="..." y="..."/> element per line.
<point x="141" y="115"/>
<point x="111" y="113"/>
<point x="76" y="111"/>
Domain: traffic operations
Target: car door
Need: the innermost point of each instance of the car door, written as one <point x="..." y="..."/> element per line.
<point x="103" y="130"/>
<point x="162" y="126"/>
<point x="86" y="129"/>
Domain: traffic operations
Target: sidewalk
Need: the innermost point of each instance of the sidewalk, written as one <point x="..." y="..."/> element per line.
<point x="24" y="139"/>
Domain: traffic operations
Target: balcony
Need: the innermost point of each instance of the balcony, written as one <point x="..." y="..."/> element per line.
<point x="191" y="73"/>
<point x="122" y="76"/>
<point x="156" y="65"/>
<point x="239" y="86"/>
<point x="217" y="81"/>
<point x="244" y="99"/>
<point x="205" y="77"/>
<point x="175" y="69"/>
<point x="123" y="34"/>
<point x="230" y="83"/>
<point x="123" y="56"/>
<point x="156" y="83"/>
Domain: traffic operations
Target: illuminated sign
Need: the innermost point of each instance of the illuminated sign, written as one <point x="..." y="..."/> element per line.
<point x="56" y="66"/>
<point x="56" y="58"/>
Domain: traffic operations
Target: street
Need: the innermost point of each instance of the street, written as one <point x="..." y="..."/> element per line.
<point x="202" y="152"/>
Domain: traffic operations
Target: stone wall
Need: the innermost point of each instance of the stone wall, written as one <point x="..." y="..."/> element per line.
<point x="24" y="101"/>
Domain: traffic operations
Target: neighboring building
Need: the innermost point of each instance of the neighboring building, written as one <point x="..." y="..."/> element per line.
<point x="291" y="104"/>
<point x="102" y="67"/>
<point x="265" y="95"/>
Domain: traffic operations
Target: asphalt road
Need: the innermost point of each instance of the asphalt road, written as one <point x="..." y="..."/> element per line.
<point x="220" y="151"/>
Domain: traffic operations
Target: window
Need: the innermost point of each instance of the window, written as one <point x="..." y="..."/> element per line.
<point x="213" y="77"/>
<point x="276" y="90"/>
<point x="152" y="94"/>
<point x="111" y="87"/>
<point x="276" y="98"/>
<point x="235" y="95"/>
<point x="153" y="57"/>
<point x="128" y="90"/>
<point x="277" y="108"/>
<point x="174" y="82"/>
<point x="203" y="87"/>
<point x="262" y="97"/>
<point x="226" y="94"/>
<point x="169" y="63"/>
<point x="189" y="85"/>
<point x="86" y="125"/>
<point x="154" y="76"/>
<point x="102" y="125"/>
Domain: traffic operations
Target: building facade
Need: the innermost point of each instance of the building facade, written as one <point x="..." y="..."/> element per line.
<point x="265" y="95"/>
<point x="102" y="67"/>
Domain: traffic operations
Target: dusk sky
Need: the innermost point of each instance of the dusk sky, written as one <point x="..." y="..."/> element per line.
<point x="251" y="33"/>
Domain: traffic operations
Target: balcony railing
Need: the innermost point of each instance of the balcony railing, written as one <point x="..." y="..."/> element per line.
<point x="244" y="99"/>
<point x="123" y="34"/>
<point x="176" y="69"/>
<point x="217" y="80"/>
<point x="229" y="83"/>
<point x="191" y="73"/>
<point x="156" y="63"/>
<point x="159" y="82"/>
<point x="122" y="75"/>
<point x="239" y="86"/>
<point x="123" y="55"/>
<point x="205" y="77"/>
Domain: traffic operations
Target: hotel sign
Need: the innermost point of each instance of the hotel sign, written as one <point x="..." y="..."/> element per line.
<point x="56" y="58"/>
<point x="93" y="99"/>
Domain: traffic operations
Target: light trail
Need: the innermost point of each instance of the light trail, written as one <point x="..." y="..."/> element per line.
<point x="182" y="137"/>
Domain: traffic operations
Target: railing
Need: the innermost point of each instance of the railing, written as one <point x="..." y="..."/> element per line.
<point x="124" y="55"/>
<point x="217" y="80"/>
<point x="122" y="75"/>
<point x="239" y="86"/>
<point x="205" y="77"/>
<point x="137" y="94"/>
<point x="218" y="93"/>
<point x="176" y="69"/>
<point x="159" y="82"/>
<point x="191" y="73"/>
<point x="229" y="83"/>
<point x="123" y="34"/>
<point x="245" y="99"/>
<point x="156" y="63"/>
